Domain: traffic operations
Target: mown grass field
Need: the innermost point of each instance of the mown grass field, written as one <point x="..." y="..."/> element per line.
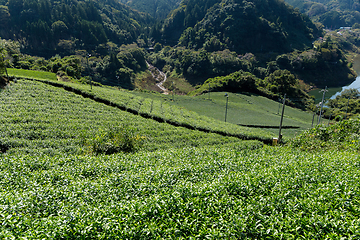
<point x="179" y="184"/>
<point x="244" y="109"/>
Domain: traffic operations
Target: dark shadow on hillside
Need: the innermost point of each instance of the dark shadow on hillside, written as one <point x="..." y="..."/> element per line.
<point x="3" y="82"/>
<point x="265" y="126"/>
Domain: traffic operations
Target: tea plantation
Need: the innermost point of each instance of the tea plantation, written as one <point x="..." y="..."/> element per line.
<point x="73" y="167"/>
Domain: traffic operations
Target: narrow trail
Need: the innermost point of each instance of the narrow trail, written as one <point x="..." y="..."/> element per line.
<point x="159" y="76"/>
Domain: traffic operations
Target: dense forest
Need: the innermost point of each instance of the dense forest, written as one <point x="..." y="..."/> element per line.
<point x="241" y="26"/>
<point x="332" y="14"/>
<point x="47" y="27"/>
<point x="158" y="9"/>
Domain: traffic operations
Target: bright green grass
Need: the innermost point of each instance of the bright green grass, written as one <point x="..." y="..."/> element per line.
<point x="37" y="118"/>
<point x="21" y="73"/>
<point x="198" y="193"/>
<point x="245" y="109"/>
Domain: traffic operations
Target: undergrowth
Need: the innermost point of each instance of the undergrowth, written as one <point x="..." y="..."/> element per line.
<point x="114" y="140"/>
<point x="343" y="135"/>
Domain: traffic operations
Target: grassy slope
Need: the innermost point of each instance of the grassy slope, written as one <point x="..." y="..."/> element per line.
<point x="245" y="109"/>
<point x="21" y="73"/>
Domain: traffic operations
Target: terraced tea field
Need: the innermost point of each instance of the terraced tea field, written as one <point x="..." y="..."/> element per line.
<point x="179" y="183"/>
<point x="36" y="117"/>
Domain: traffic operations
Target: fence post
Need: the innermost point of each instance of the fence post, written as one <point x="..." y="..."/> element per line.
<point x="227" y="99"/>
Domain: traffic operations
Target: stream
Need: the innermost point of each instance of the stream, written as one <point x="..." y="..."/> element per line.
<point x="159" y="76"/>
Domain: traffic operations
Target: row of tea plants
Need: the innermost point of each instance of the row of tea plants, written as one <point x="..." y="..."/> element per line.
<point x="36" y="117"/>
<point x="190" y="193"/>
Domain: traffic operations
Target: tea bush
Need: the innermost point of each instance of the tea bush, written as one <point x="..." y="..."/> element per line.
<point x="40" y="119"/>
<point x="199" y="193"/>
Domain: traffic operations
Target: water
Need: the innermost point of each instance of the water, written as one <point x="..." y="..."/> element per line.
<point x="333" y="92"/>
<point x="355" y="84"/>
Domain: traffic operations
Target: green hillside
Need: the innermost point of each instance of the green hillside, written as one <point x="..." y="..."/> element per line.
<point x="243" y="109"/>
<point x="97" y="162"/>
<point x="59" y="178"/>
<point x="38" y="118"/>
<point x="158" y="9"/>
<point x="83" y="158"/>
<point x="48" y="27"/>
<point x="332" y="14"/>
<point x="199" y="112"/>
<point x="241" y="26"/>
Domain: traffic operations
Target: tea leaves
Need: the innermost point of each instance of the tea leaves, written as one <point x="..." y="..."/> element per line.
<point x="182" y="193"/>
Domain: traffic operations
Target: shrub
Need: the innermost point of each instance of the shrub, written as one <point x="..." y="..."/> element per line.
<point x="343" y="135"/>
<point x="114" y="140"/>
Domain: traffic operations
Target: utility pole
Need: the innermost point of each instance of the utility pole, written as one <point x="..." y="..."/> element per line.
<point x="279" y="105"/>
<point x="322" y="103"/>
<point x="282" y="117"/>
<point x="89" y="55"/>
<point x="227" y="99"/>
<point x="312" y="124"/>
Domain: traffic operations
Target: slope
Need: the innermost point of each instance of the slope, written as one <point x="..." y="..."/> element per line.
<point x="47" y="27"/>
<point x="242" y="26"/>
<point x="158" y="9"/>
<point x="41" y="119"/>
<point x="332" y="14"/>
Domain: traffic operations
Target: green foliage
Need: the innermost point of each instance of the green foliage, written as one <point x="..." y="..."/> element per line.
<point x="332" y="14"/>
<point x="21" y="73"/>
<point x="346" y="105"/>
<point x="197" y="66"/>
<point x="114" y="140"/>
<point x="255" y="27"/>
<point x="343" y="135"/>
<point x="2" y="60"/>
<point x="274" y="87"/>
<point x="325" y="65"/>
<point x="217" y="193"/>
<point x="157" y="8"/>
<point x="182" y="184"/>
<point x="283" y="82"/>
<point x="44" y="25"/>
<point x="40" y="119"/>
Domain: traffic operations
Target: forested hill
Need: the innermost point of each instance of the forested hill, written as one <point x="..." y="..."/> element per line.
<point x="158" y="9"/>
<point x="332" y="14"/>
<point x="186" y="15"/>
<point x="240" y="25"/>
<point x="48" y="26"/>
